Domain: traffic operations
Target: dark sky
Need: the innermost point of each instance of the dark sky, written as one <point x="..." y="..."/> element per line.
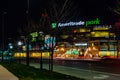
<point x="15" y="16"/>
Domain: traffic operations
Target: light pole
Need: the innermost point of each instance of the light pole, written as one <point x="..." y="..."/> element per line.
<point x="3" y="43"/>
<point x="10" y="51"/>
<point x="20" y="48"/>
<point x="28" y="36"/>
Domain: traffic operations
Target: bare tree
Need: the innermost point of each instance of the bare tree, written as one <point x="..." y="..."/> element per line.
<point x="57" y="11"/>
<point x="116" y="7"/>
<point x="54" y="11"/>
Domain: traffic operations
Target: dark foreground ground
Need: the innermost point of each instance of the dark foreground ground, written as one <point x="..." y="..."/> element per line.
<point x="30" y="73"/>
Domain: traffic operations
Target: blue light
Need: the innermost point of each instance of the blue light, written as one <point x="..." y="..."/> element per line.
<point x="10" y="45"/>
<point x="50" y="41"/>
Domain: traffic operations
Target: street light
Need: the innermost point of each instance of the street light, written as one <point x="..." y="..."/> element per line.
<point x="19" y="43"/>
<point x="28" y="36"/>
<point x="20" y="46"/>
<point x="10" y="45"/>
<point x="3" y="44"/>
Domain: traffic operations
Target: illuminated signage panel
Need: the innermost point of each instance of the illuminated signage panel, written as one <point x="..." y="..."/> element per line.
<point x="79" y="23"/>
<point x="97" y="21"/>
<point x="71" y="24"/>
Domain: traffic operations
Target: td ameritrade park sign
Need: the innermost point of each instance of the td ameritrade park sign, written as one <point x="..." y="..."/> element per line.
<point x="79" y="23"/>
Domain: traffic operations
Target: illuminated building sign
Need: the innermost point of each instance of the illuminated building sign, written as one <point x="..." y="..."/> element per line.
<point x="71" y="24"/>
<point x="79" y="23"/>
<point x="97" y="21"/>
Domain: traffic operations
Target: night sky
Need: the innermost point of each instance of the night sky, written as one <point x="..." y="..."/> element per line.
<point x="15" y="16"/>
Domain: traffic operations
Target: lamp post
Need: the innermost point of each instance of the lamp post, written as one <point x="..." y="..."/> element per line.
<point x="20" y="48"/>
<point x="3" y="43"/>
<point x="10" y="50"/>
<point x="28" y="36"/>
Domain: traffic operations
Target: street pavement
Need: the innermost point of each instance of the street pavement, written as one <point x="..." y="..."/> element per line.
<point x="6" y="75"/>
<point x="80" y="73"/>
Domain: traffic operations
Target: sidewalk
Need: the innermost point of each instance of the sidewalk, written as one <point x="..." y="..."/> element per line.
<point x="6" y="75"/>
<point x="80" y="73"/>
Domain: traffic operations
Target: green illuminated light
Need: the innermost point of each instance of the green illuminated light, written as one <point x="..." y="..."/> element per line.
<point x="34" y="34"/>
<point x="33" y="39"/>
<point x="97" y="21"/>
<point x="54" y="25"/>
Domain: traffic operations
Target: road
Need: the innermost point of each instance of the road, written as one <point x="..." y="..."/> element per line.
<point x="106" y="65"/>
<point x="87" y="69"/>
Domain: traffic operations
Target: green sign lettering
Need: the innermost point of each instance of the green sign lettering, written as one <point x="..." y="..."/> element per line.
<point x="97" y="21"/>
